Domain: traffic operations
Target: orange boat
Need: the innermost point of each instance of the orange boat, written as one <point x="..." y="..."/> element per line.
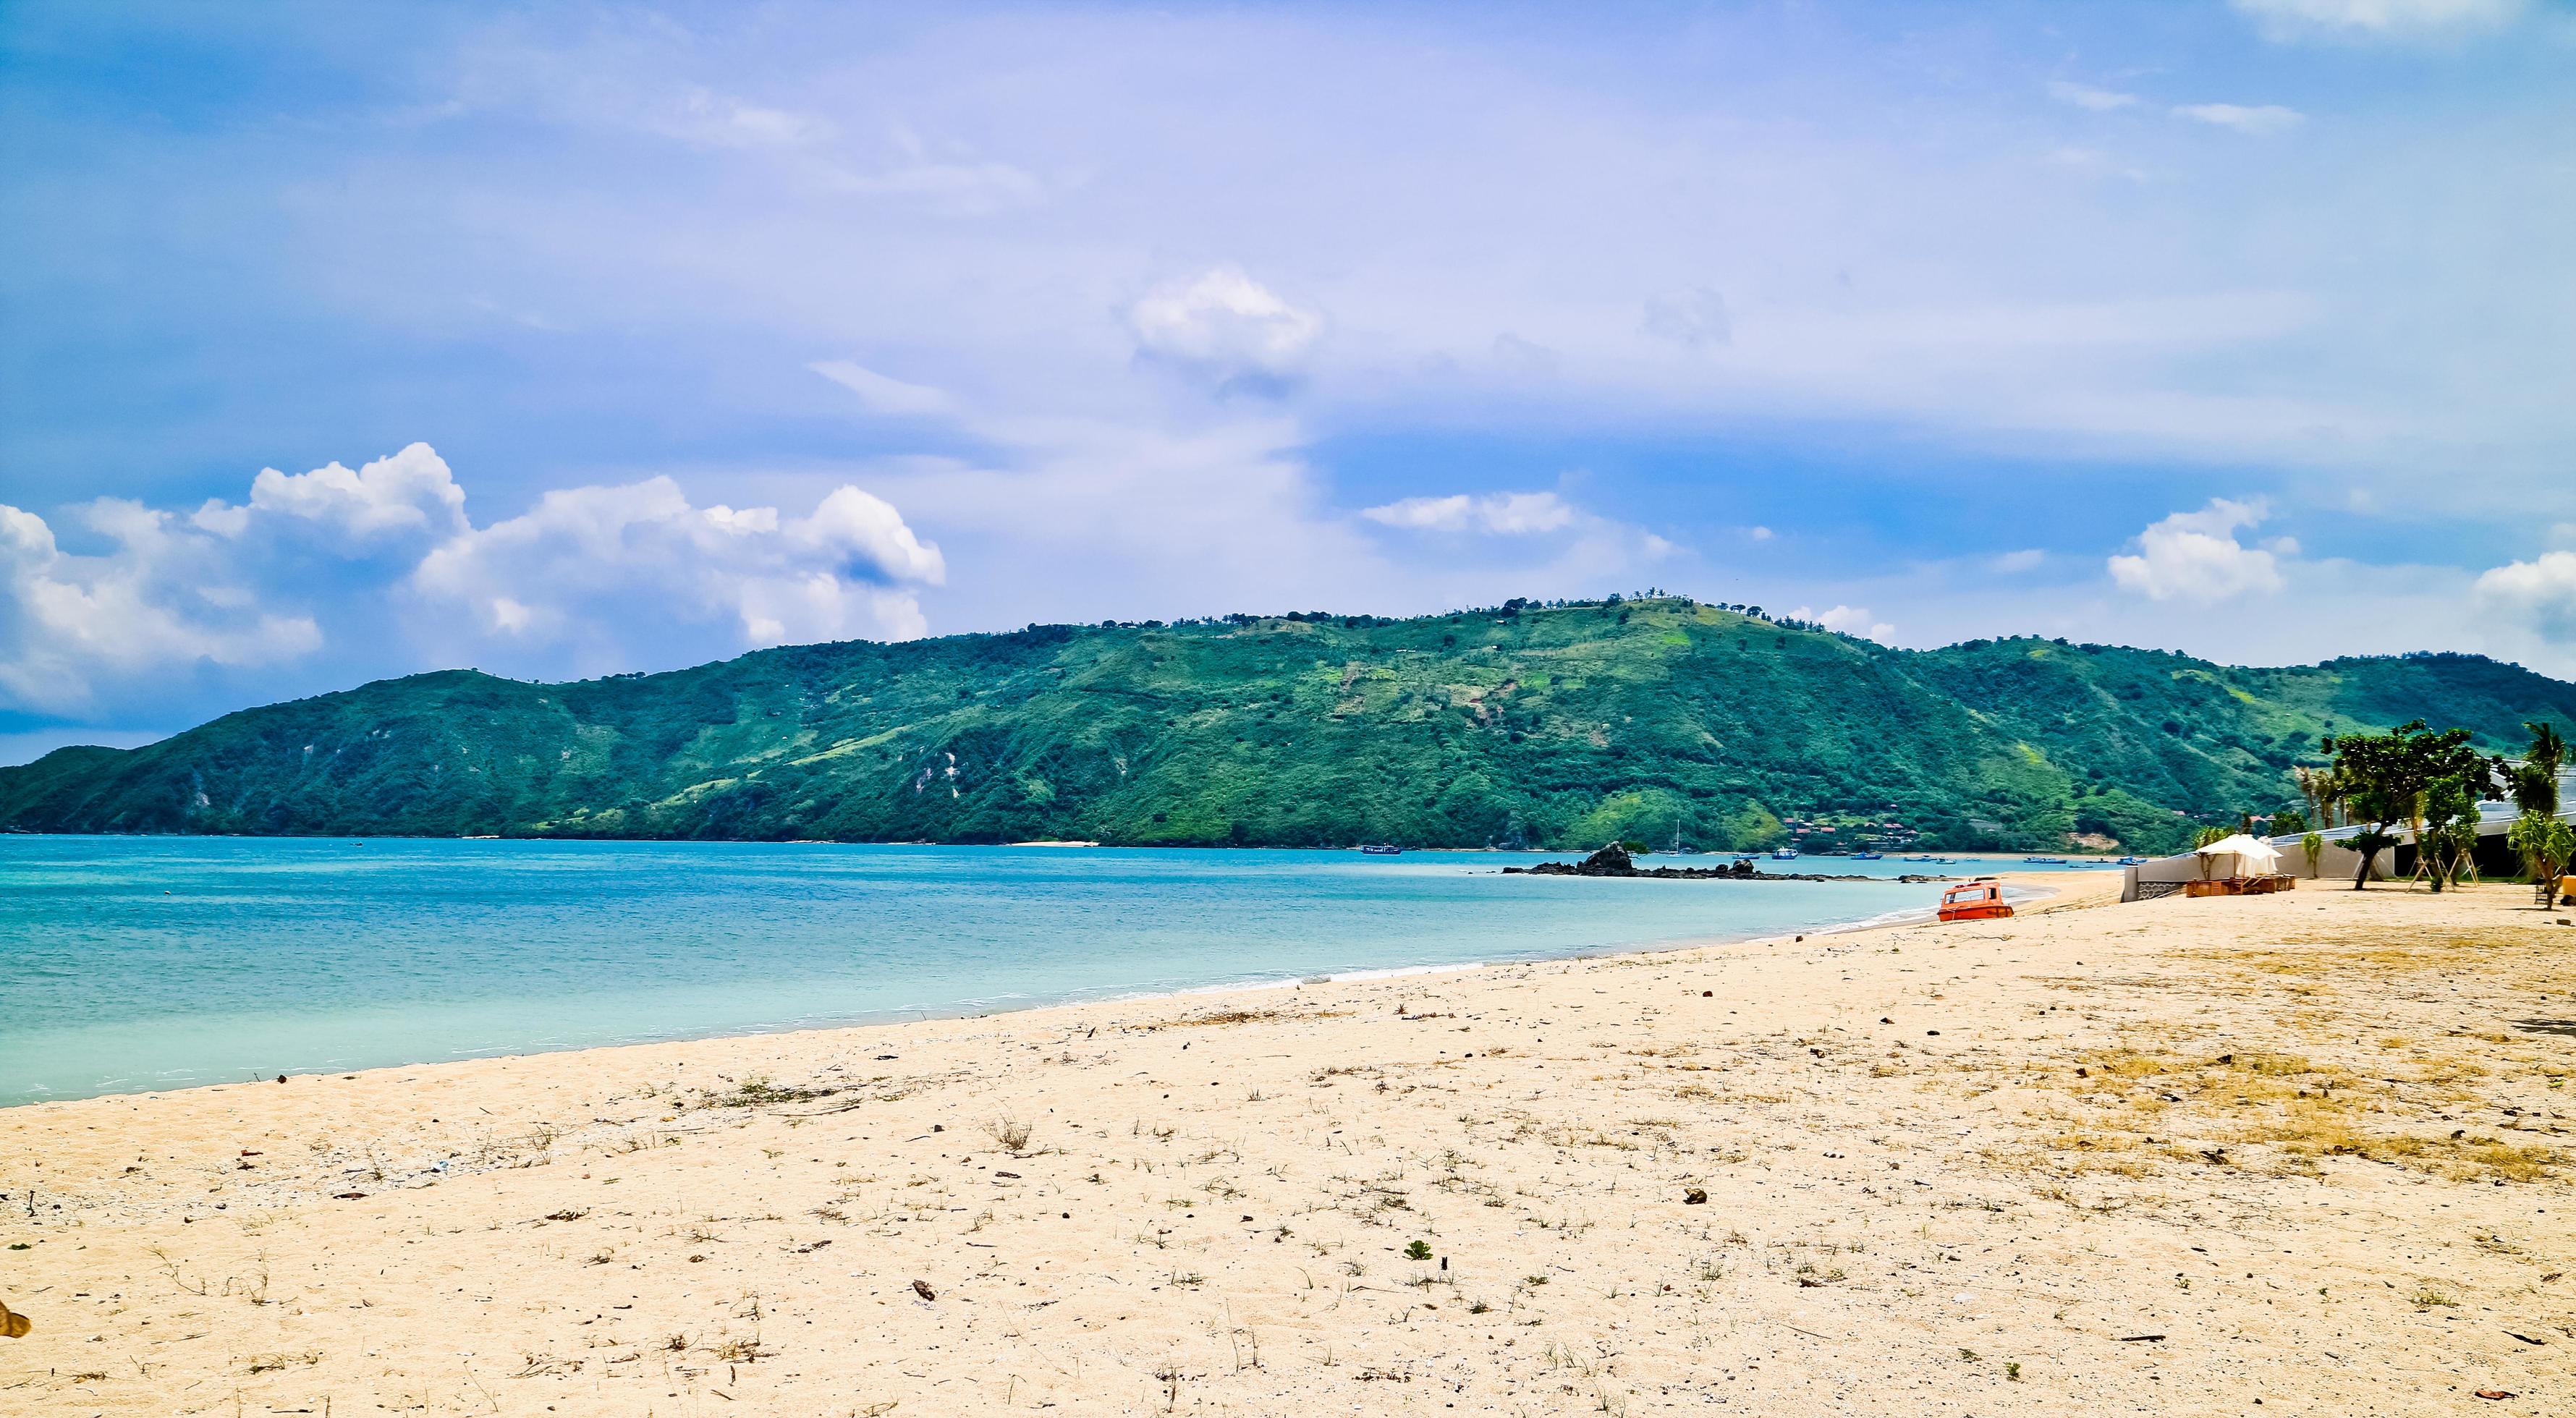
<point x="1974" y="901"/>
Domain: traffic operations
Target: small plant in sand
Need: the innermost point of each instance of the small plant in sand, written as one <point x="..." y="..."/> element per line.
<point x="1418" y="1250"/>
<point x="1011" y="1133"/>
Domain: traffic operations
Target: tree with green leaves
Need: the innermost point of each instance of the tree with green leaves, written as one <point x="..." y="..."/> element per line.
<point x="2314" y="845"/>
<point x="2322" y="789"/>
<point x="2547" y="845"/>
<point x="2203" y="838"/>
<point x="2386" y="777"/>
<point x="2289" y="822"/>
<point x="2535" y="781"/>
<point x="2447" y="828"/>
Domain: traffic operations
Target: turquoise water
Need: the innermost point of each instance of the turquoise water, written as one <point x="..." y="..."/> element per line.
<point x="132" y="964"/>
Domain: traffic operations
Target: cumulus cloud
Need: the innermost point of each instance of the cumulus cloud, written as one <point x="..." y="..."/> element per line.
<point x="2195" y="556"/>
<point x="2258" y="120"/>
<point x="162" y="598"/>
<point x="1505" y="514"/>
<point x="2087" y="96"/>
<point x="577" y="565"/>
<point x="2376" y="19"/>
<point x="1227" y="326"/>
<point x="411" y="491"/>
<point x="1849" y="620"/>
<point x="591" y="579"/>
<point x="2539" y="595"/>
<point x="1694" y="319"/>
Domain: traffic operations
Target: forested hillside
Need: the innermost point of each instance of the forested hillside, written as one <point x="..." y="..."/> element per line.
<point x="1562" y="726"/>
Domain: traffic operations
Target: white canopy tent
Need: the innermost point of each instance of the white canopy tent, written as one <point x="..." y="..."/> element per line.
<point x="2242" y="855"/>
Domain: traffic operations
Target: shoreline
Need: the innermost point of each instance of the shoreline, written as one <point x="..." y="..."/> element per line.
<point x="2159" y="1154"/>
<point x="2034" y="883"/>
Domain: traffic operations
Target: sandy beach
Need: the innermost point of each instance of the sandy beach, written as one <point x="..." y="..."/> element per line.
<point x="2304" y="1153"/>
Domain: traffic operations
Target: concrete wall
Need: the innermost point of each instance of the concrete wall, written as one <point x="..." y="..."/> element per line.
<point x="2335" y="863"/>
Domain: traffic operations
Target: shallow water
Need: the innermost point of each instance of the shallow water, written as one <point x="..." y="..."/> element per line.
<point x="130" y="964"/>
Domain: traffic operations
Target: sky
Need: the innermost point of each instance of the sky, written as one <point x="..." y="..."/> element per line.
<point x="342" y="342"/>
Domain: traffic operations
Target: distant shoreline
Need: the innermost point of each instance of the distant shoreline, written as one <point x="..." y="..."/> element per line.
<point x="2001" y="854"/>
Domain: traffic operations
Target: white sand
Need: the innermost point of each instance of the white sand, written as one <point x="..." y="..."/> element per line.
<point x="1210" y="1212"/>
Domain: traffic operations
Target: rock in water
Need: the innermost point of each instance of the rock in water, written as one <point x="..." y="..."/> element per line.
<point x="1612" y="860"/>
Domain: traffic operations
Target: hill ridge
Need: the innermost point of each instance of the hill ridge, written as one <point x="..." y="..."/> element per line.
<point x="1563" y="725"/>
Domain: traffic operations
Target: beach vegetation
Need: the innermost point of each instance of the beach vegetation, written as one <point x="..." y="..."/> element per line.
<point x="2390" y="776"/>
<point x="2546" y="845"/>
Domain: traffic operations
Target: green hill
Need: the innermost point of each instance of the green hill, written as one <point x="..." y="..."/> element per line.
<point x="1563" y="726"/>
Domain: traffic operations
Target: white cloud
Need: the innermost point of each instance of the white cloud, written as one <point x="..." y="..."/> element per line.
<point x="2539" y="595"/>
<point x="617" y="577"/>
<point x="1694" y="318"/>
<point x="411" y="491"/>
<point x="884" y="395"/>
<point x="715" y="120"/>
<point x="1849" y="620"/>
<point x="159" y="603"/>
<point x="1760" y="534"/>
<point x="2195" y="556"/>
<point x="580" y="566"/>
<point x="2011" y="562"/>
<point x="2376" y="19"/>
<point x="1225" y="324"/>
<point x="2087" y="96"/>
<point x="1507" y="514"/>
<point x="2259" y="120"/>
<point x="951" y="179"/>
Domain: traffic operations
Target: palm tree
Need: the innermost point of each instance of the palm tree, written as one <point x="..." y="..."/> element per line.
<point x="2535" y="784"/>
<point x="2323" y="788"/>
<point x="2546" y="845"/>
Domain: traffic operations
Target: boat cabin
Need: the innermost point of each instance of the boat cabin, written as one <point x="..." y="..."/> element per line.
<point x="1975" y="901"/>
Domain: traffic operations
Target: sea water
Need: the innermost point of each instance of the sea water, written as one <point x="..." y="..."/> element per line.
<point x="130" y="964"/>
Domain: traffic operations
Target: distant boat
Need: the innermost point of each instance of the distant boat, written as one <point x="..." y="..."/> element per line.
<point x="1382" y="849"/>
<point x="1926" y="857"/>
<point x="1869" y="856"/>
<point x="1784" y="854"/>
<point x="2047" y="861"/>
<point x="2130" y="862"/>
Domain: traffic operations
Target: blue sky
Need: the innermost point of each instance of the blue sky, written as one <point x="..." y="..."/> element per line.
<point x="342" y="342"/>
